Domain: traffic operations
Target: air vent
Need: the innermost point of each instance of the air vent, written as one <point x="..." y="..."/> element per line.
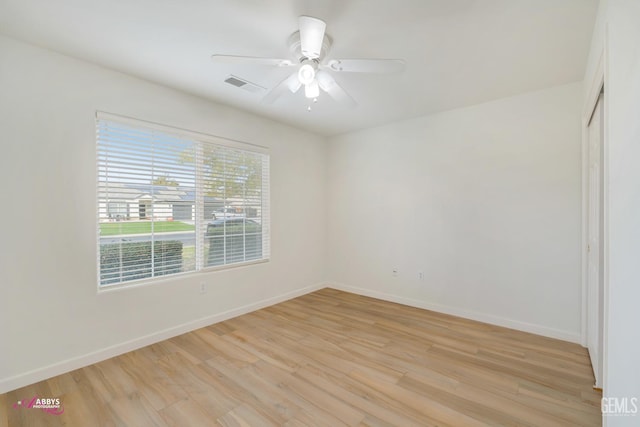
<point x="235" y="81"/>
<point x="243" y="84"/>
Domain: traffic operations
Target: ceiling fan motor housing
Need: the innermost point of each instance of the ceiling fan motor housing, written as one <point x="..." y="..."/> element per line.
<point x="296" y="51"/>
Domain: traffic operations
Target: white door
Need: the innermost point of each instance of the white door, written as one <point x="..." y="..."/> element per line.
<point x="595" y="257"/>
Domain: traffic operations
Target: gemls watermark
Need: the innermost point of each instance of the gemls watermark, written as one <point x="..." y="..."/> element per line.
<point x="619" y="406"/>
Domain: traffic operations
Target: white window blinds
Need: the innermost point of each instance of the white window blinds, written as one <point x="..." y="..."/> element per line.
<point x="172" y="201"/>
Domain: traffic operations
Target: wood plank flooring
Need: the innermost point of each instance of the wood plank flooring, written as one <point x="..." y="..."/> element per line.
<point x="329" y="358"/>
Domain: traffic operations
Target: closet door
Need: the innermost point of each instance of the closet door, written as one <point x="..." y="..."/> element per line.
<point x="595" y="258"/>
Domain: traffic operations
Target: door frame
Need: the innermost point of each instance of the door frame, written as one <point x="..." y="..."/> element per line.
<point x="596" y="86"/>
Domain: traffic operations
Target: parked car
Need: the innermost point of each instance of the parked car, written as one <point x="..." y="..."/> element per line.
<point x="228" y="212"/>
<point x="232" y="240"/>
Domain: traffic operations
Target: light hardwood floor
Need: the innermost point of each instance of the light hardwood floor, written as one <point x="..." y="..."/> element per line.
<point x="329" y="358"/>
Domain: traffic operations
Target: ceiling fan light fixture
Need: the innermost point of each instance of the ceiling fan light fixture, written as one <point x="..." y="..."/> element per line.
<point x="306" y="74"/>
<point x="312" y="90"/>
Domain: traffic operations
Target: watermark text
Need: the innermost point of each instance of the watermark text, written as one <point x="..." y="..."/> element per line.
<point x="619" y="406"/>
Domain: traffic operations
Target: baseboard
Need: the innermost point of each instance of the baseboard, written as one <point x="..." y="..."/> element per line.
<point x="467" y="314"/>
<point x="40" y="374"/>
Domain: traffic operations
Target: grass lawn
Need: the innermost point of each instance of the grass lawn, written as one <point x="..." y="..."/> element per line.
<point x="142" y="227"/>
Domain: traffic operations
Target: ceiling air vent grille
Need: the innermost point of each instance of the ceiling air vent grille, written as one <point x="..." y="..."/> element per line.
<point x="243" y="84"/>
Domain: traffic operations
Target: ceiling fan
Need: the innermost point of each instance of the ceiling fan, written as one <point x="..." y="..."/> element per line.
<point x="309" y="48"/>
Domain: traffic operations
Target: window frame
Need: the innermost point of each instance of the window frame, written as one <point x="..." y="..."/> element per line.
<point x="201" y="222"/>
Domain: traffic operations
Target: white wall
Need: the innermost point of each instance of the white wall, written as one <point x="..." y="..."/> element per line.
<point x="596" y="50"/>
<point x="485" y="201"/>
<point x="620" y="38"/>
<point x="623" y="364"/>
<point x="51" y="317"/>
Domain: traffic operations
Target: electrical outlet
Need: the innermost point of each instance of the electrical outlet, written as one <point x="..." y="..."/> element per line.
<point x="420" y="275"/>
<point x="394" y="272"/>
<point x="203" y="287"/>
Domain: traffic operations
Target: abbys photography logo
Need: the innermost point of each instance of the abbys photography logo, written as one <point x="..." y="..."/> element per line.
<point x="49" y="405"/>
<point x="619" y="406"/>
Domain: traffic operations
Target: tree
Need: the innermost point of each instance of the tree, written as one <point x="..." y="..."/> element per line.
<point x="166" y="181"/>
<point x="229" y="173"/>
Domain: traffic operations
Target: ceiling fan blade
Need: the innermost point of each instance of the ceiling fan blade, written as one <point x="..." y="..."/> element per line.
<point x="328" y="84"/>
<point x="311" y="36"/>
<point x="367" y="65"/>
<point x="290" y="83"/>
<point x="251" y="60"/>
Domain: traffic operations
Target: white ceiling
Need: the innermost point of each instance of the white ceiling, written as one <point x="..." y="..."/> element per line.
<point x="458" y="52"/>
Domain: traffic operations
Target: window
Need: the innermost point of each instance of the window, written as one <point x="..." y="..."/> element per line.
<point x="172" y="201"/>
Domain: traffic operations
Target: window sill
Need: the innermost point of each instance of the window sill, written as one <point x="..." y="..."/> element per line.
<point x="163" y="279"/>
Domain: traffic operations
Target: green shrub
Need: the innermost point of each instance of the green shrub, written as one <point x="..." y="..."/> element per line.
<point x="126" y="261"/>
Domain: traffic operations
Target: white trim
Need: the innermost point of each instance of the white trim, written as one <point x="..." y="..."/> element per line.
<point x="151" y="281"/>
<point x="605" y="212"/>
<point x="596" y="86"/>
<point x="584" y="234"/>
<point x="467" y="314"/>
<point x="200" y="222"/>
<point x="30" y="377"/>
